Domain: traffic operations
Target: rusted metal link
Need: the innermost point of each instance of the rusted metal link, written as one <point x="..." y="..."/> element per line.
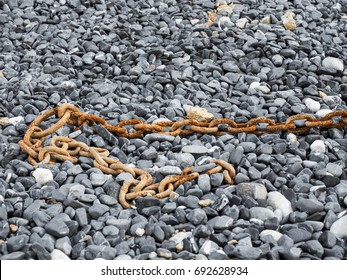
<point x="64" y="148"/>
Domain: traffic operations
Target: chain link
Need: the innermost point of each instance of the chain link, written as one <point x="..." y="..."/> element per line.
<point x="64" y="148"/>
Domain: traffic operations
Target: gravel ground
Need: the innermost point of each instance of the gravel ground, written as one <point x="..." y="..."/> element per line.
<point x="149" y="59"/>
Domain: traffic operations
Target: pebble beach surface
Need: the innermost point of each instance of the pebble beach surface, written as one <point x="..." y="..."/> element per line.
<point x="152" y="60"/>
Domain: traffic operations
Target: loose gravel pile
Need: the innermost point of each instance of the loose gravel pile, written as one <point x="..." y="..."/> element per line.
<point x="150" y="60"/>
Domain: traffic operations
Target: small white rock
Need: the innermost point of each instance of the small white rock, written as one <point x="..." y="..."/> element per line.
<point x="321" y="113"/>
<point x="291" y="138"/>
<point x="59" y="255"/>
<point x="333" y="63"/>
<point x="15" y="120"/>
<point x="241" y="23"/>
<point x="278" y="201"/>
<point x="339" y="227"/>
<point x="264" y="89"/>
<point x="318" y="146"/>
<point x="42" y="176"/>
<point x="254" y="85"/>
<point x="139" y="231"/>
<point x="345" y="200"/>
<point x="177" y="238"/>
<point x="275" y="234"/>
<point x="313" y="105"/>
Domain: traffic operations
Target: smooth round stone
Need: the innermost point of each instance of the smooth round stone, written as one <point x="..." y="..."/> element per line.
<point x="170" y="170"/>
<point x="299" y="234"/>
<point x="339" y="227"/>
<point x="261" y="213"/>
<point x="313" y="247"/>
<point x="42" y="176"/>
<point x="327" y="239"/>
<point x="313" y="105"/>
<point x="322" y="112"/>
<point x="318" y="146"/>
<point x="334" y="169"/>
<point x="185" y="158"/>
<point x="309" y="206"/>
<point x="196" y="150"/>
<point x="204" y="183"/>
<point x="333" y="63"/>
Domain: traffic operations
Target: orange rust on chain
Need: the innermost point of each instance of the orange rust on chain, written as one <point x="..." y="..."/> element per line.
<point x="63" y="148"/>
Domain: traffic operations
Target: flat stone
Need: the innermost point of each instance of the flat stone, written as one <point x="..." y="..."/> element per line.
<point x="299" y="234"/>
<point x="195" y="150"/>
<point x="309" y="206"/>
<point x="169" y="170"/>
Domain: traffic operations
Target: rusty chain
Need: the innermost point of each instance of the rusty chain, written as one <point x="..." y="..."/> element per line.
<point x="63" y="148"/>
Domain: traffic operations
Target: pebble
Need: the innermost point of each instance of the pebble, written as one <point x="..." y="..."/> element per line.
<point x="339" y="227"/>
<point x="318" y="146"/>
<point x="278" y="201"/>
<point x="261" y="213"/>
<point x="333" y="63"/>
<point x="58" y="255"/>
<point x="313" y="105"/>
<point x="98" y="179"/>
<point x="196" y="150"/>
<point x="208" y="247"/>
<point x="42" y="176"/>
<point x="310" y="206"/>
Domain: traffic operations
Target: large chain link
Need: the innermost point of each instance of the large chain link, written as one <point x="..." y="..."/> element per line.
<point x="64" y="148"/>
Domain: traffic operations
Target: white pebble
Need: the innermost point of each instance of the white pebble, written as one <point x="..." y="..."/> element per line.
<point x="278" y="201"/>
<point x="291" y="138"/>
<point x="15" y="120"/>
<point x="275" y="234"/>
<point x="139" y="231"/>
<point x="333" y="63"/>
<point x="59" y="255"/>
<point x="339" y="227"/>
<point x="177" y="238"/>
<point x="313" y="105"/>
<point x="42" y="176"/>
<point x="345" y="200"/>
<point x="318" y="146"/>
<point x="241" y="23"/>
<point x="321" y="113"/>
<point x="254" y="85"/>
